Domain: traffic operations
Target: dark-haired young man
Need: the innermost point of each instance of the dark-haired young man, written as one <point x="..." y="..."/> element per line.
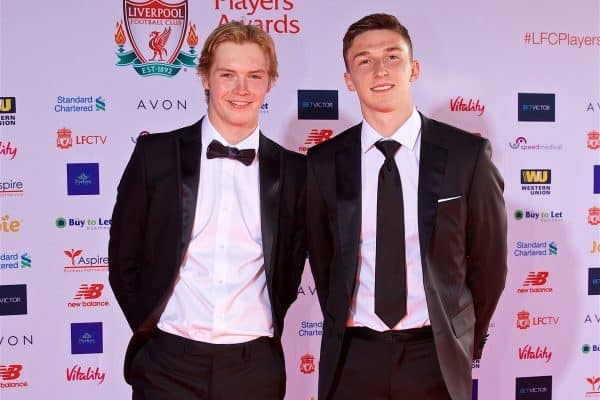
<point x="406" y="231"/>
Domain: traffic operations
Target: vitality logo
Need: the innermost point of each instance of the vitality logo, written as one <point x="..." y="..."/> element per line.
<point x="165" y="23"/>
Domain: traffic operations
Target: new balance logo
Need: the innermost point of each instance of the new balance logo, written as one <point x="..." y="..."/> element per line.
<point x="88" y="292"/>
<point x="536" y="279"/>
<point x="10" y="372"/>
<point x="317" y="136"/>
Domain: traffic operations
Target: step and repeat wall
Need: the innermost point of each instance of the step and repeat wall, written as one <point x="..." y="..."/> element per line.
<point x="79" y="83"/>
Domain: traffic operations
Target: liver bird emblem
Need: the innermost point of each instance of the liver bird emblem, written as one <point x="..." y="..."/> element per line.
<point x="157" y="43"/>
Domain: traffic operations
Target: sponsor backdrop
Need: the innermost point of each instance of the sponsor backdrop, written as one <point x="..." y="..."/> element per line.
<point x="525" y="75"/>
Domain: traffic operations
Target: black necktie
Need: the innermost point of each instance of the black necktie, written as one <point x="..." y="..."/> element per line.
<point x="217" y="150"/>
<point x="390" y="257"/>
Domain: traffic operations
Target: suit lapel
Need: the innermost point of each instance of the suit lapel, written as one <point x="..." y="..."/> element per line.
<point x="349" y="202"/>
<point x="432" y="167"/>
<point x="269" y="166"/>
<point x="190" y="150"/>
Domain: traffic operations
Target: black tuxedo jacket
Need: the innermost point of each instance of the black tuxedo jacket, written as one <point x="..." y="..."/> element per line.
<point x="154" y="214"/>
<point x="463" y="243"/>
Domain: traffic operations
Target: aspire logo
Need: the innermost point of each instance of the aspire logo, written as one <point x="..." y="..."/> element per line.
<point x="80" y="263"/>
<point x="595" y="382"/>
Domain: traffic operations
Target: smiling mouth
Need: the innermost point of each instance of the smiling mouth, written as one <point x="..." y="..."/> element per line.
<point x="382" y="87"/>
<point x="239" y="104"/>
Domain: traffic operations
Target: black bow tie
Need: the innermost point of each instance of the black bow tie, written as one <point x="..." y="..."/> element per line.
<point x="217" y="150"/>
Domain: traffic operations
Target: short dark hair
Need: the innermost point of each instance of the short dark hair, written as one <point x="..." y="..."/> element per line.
<point x="373" y="22"/>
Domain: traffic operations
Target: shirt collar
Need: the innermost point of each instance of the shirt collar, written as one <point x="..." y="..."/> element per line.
<point x="210" y="133"/>
<point x="406" y="135"/>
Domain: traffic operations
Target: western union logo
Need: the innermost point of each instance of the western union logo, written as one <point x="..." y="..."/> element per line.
<point x="8" y="105"/>
<point x="536" y="176"/>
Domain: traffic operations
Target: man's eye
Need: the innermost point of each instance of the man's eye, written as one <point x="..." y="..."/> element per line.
<point x="364" y="62"/>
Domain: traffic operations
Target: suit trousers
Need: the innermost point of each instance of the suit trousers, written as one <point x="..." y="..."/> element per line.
<point x="391" y="365"/>
<point x="170" y="367"/>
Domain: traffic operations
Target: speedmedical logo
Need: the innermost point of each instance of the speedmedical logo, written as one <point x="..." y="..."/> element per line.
<point x="165" y="23"/>
<point x="536" y="107"/>
<point x="86" y="338"/>
<point x="80" y="263"/>
<point x="79" y="104"/>
<point x="9" y="376"/>
<point x="13" y="299"/>
<point x="533" y="388"/>
<point x="318" y="104"/>
<point x="521" y="143"/>
<point x="532" y="249"/>
<point x="83" y="179"/>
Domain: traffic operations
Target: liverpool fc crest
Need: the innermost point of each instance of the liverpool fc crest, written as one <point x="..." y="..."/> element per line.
<point x="156" y="30"/>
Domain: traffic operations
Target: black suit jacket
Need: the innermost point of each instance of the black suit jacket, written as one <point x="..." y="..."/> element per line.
<point x="463" y="243"/>
<point x="154" y="214"/>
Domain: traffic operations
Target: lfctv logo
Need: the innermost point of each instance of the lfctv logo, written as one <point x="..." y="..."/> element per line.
<point x="79" y="263"/>
<point x="9" y="376"/>
<point x="88" y="295"/>
<point x="525" y="320"/>
<point x="64" y="139"/>
<point x="315" y="136"/>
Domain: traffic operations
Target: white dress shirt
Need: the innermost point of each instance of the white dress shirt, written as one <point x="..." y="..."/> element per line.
<point x="221" y="295"/>
<point x="362" y="310"/>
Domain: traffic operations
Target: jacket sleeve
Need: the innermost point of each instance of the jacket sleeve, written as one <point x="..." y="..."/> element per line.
<point x="486" y="243"/>
<point x="126" y="237"/>
<point x="319" y="241"/>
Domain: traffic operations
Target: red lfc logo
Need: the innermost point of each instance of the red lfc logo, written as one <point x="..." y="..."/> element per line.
<point x="593" y="141"/>
<point x="64" y="139"/>
<point x="307" y="364"/>
<point x="594" y="216"/>
<point x="523" y="320"/>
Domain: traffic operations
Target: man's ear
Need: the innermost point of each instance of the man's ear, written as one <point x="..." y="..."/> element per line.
<point x="415" y="70"/>
<point x="349" y="83"/>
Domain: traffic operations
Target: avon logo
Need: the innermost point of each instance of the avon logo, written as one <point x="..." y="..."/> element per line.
<point x="459" y="104"/>
<point x="527" y="353"/>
